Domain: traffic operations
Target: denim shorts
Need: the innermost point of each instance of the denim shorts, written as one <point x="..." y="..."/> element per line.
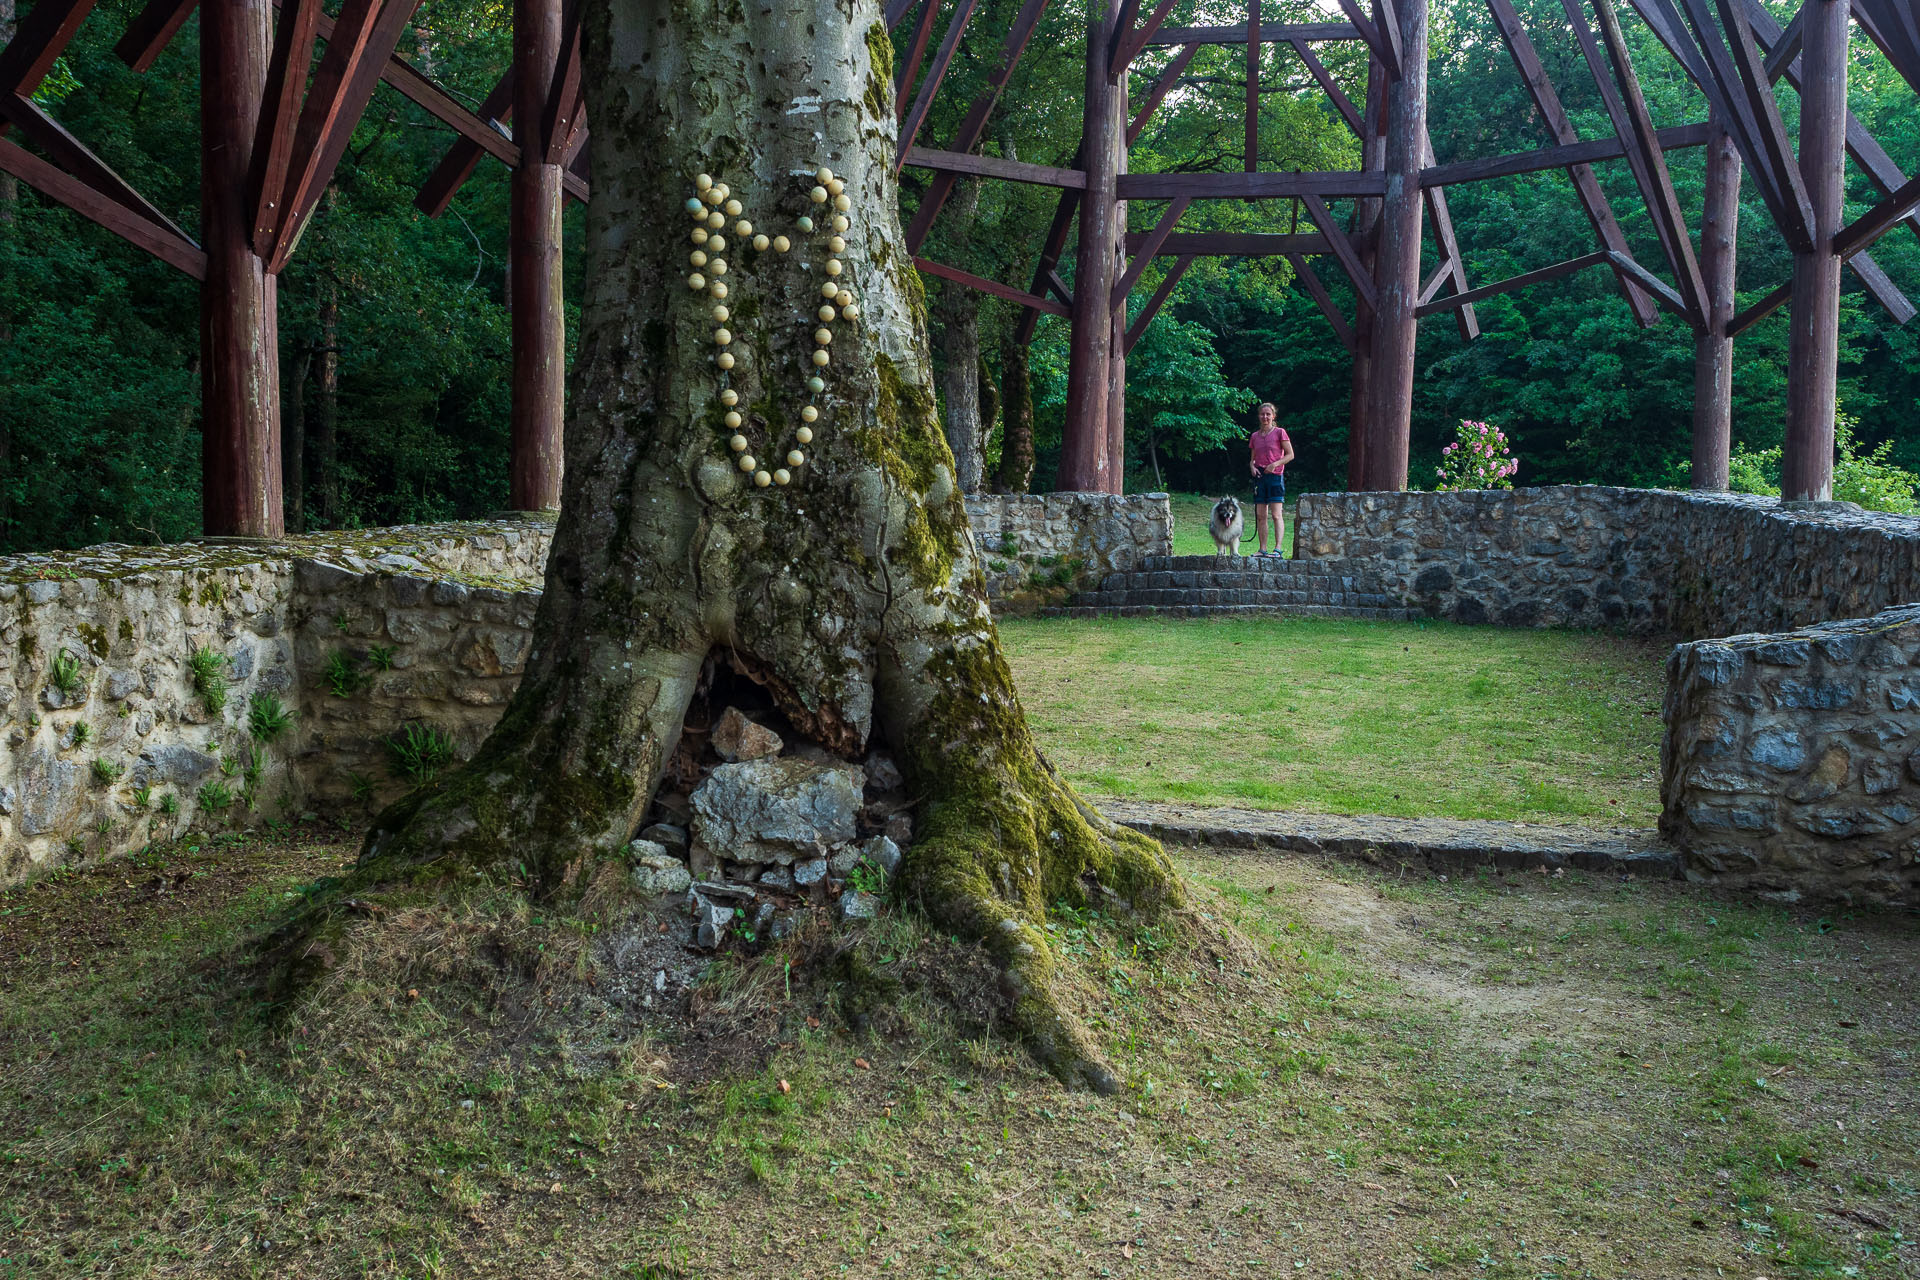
<point x="1268" y="488"/>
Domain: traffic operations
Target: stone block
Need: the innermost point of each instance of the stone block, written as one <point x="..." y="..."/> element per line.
<point x="736" y="738"/>
<point x="777" y="807"/>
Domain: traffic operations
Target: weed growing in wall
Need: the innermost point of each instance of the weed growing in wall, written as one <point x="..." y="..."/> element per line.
<point x="208" y="669"/>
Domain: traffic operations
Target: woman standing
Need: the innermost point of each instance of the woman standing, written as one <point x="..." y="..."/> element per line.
<point x="1272" y="451"/>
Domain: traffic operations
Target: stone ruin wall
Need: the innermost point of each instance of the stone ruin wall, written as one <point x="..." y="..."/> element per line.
<point x="1036" y="546"/>
<point x="1791" y="762"/>
<point x="360" y="635"/>
<point x="1785" y="760"/>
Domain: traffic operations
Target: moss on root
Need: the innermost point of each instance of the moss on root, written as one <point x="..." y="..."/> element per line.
<point x="1004" y="838"/>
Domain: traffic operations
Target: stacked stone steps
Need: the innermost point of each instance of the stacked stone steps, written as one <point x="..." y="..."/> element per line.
<point x="1204" y="586"/>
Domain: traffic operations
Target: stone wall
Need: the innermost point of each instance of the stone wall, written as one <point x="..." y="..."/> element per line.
<point x="113" y="741"/>
<point x="1038" y="543"/>
<point x="1791" y="763"/>
<point x="1640" y="560"/>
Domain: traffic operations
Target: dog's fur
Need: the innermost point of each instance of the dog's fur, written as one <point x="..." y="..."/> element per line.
<point x="1226" y="527"/>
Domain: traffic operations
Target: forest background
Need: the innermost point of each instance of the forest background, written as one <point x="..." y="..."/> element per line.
<point x="394" y="326"/>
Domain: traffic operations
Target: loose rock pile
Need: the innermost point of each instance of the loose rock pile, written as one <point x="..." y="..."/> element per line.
<point x="766" y="834"/>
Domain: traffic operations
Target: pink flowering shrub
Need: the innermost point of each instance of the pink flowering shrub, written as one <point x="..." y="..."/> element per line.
<point x="1478" y="458"/>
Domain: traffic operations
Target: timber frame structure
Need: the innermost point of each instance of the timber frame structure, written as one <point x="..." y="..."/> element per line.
<point x="276" y="121"/>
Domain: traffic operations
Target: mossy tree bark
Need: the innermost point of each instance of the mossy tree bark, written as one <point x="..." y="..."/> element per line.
<point x="854" y="594"/>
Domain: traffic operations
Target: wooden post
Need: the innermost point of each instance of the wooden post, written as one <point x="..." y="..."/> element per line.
<point x="1085" y="465"/>
<point x="1397" y="267"/>
<point x="1117" y="335"/>
<point x="239" y="336"/>
<point x="1366" y="227"/>
<point x="533" y="265"/>
<point x="1712" y="347"/>
<point x="1813" y="341"/>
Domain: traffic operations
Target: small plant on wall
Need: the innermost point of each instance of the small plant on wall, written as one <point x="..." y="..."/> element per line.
<point x="419" y="752"/>
<point x="208" y="670"/>
<point x="66" y="672"/>
<point x="343" y="680"/>
<point x="267" y="717"/>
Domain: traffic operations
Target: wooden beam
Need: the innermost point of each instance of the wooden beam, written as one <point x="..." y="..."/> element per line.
<point x="1786" y="49"/>
<point x="287" y="69"/>
<point x="1167" y="79"/>
<point x="1277" y="33"/>
<point x="1058" y="287"/>
<point x="1343" y="250"/>
<point x="1760" y="310"/>
<point x="1511" y="283"/>
<point x="1248" y="186"/>
<point x="457" y="165"/>
<point x="1651" y="283"/>
<point x="1126" y="50"/>
<point x="1450" y="255"/>
<point x="1712" y="348"/>
<point x="1561" y="157"/>
<point x="973" y="126"/>
<point x="74" y="156"/>
<point x="1586" y="186"/>
<point x="928" y="267"/>
<point x="1039" y="175"/>
<point x="1386" y="20"/>
<point x="1123" y="34"/>
<point x="1364" y="28"/>
<point x="1323" y="300"/>
<point x="1895" y="28"/>
<point x="1813" y="322"/>
<point x="896" y="10"/>
<point x="568" y="98"/>
<point x="1160" y="295"/>
<point x="1232" y="244"/>
<point x="1341" y="102"/>
<point x="1656" y="183"/>
<point x="916" y="52"/>
<point x="1795" y="202"/>
<point x="1883" y="290"/>
<point x="171" y="248"/>
<point x="1050" y="249"/>
<point x="1879" y="220"/>
<point x="1442" y="272"/>
<point x="151" y="31"/>
<point x="1394" y="330"/>
<point x="38" y="41"/>
<point x="942" y="59"/>
<point x="1250" y="152"/>
<point x="1155" y="238"/>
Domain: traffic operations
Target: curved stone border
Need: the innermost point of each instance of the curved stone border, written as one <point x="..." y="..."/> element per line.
<point x="1437" y="846"/>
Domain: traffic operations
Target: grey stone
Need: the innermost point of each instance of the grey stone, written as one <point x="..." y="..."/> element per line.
<point x="6" y="801"/>
<point x="777" y="808"/>
<point x="855" y="905"/>
<point x="809" y="872"/>
<point x="1877" y="777"/>
<point x="777" y="877"/>
<point x="176" y="764"/>
<point x="737" y="738"/>
<point x="50" y="791"/>
<point x="710" y="927"/>
<point x="843" y="860"/>
<point x="883" y="774"/>
<point x="723" y="889"/>
<point x="120" y="684"/>
<point x="655" y="871"/>
<point x="883" y="853"/>
<point x="1778" y="749"/>
<point x="899" y="829"/>
<point x="43" y="592"/>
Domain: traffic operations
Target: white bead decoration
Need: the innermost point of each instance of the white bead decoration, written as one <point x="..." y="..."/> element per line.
<point x="830" y="290"/>
<point x="844" y="298"/>
<point x="697" y="258"/>
<point x="742" y="228"/>
<point x="823" y="336"/>
<point x="738" y="444"/>
<point x="795" y="458"/>
<point x="716" y="244"/>
<point x="699" y="235"/>
<point x="733" y="208"/>
<point x="762" y="479"/>
<point x="840" y="222"/>
<point x="696" y="281"/>
<point x="717" y="289"/>
<point x="837" y="244"/>
<point x="833" y="269"/>
<point x="782" y="476"/>
<point x="850" y="311"/>
<point x="808" y="414"/>
<point x="718" y="266"/>
<point x="782" y="244"/>
<point x="824" y="176"/>
<point x="703" y="183"/>
<point x="805" y="434"/>
<point x="827" y="313"/>
<point x="722" y="337"/>
<point x="804" y="223"/>
<point x="716" y="220"/>
<point x="818" y="195"/>
<point x="729" y="397"/>
<point x="842" y="203"/>
<point x="725" y="361"/>
<point x="733" y="422"/>
<point x="720" y="314"/>
<point x="835" y="186"/>
<point x="760" y="243"/>
<point x="820" y="358"/>
<point x="746" y="462"/>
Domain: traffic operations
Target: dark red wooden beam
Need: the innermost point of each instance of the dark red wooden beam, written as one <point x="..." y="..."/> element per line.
<point x="1275" y="33"/>
<point x="152" y="30"/>
<point x="1249" y="186"/>
<point x="1877" y="221"/>
<point x="1148" y="248"/>
<point x="568" y="99"/>
<point x="1895" y="28"/>
<point x="1786" y="49"/>
<point x="916" y="50"/>
<point x="1050" y="250"/>
<point x="973" y="126"/>
<point x="1123" y="31"/>
<point x="167" y="245"/>
<point x="896" y="10"/>
<point x="1128" y="44"/>
<point x="69" y="153"/>
<point x="437" y="192"/>
<point x="1138" y="328"/>
<point x="1507" y="166"/>
<point x="923" y="101"/>
<point x="38" y="41"/>
<point x="273" y="138"/>
<point x="1341" y="102"/>
<point x="1512" y="283"/>
<point x="1231" y="244"/>
<point x="1364" y="27"/>
<point x="1450" y="256"/>
<point x="960" y="162"/>
<point x="1760" y="310"/>
<point x="1752" y="73"/>
<point x="984" y="285"/>
<point x="1323" y="300"/>
<point x="1167" y="79"/>
<point x="1251" y="148"/>
<point x="1343" y="251"/>
<point x="1651" y="283"/>
<point x="1586" y="186"/>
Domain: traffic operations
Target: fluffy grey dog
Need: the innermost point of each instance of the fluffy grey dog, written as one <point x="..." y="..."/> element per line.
<point x="1226" y="527"/>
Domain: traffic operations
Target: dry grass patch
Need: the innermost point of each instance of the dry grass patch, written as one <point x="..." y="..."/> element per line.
<point x="1329" y="1073"/>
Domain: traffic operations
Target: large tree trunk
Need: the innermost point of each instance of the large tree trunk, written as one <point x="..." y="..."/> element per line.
<point x="853" y="594"/>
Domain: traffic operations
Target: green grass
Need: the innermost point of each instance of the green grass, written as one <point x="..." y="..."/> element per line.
<point x="1192" y="512"/>
<point x="1404" y="719"/>
<point x="1331" y="1073"/>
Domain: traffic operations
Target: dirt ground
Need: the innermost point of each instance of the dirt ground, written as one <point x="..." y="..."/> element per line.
<point x="1330" y="1073"/>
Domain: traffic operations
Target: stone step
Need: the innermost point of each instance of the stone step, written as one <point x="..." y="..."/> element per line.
<point x="1270" y="598"/>
<point x="1353" y="613"/>
<point x="1227" y="579"/>
<point x="1250" y="563"/>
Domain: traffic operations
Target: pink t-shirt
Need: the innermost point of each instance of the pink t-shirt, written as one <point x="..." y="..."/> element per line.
<point x="1268" y="446"/>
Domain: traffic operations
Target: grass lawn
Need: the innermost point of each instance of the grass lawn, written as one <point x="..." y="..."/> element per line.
<point x="1328" y="1073"/>
<point x="1406" y="719"/>
<point x="1192" y="511"/>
